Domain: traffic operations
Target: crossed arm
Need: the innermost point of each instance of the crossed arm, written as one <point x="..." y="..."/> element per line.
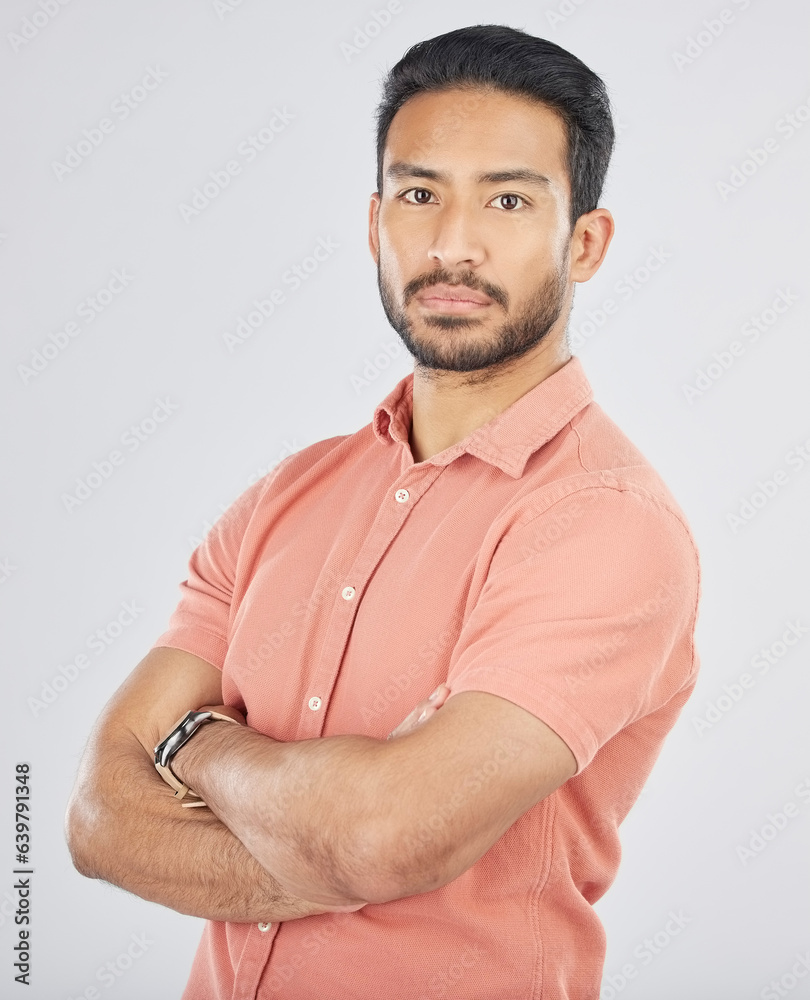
<point x="303" y="827"/>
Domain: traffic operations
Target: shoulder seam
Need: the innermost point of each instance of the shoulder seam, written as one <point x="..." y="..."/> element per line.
<point x="579" y="447"/>
<point x="616" y="487"/>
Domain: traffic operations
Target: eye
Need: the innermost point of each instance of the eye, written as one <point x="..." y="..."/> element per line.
<point x="415" y="191"/>
<point x="512" y="196"/>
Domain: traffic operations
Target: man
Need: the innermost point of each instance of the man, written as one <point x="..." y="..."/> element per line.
<point x="491" y="537"/>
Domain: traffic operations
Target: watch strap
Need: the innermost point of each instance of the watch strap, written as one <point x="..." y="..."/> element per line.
<point x="182" y="790"/>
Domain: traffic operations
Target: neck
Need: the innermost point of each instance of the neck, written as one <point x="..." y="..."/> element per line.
<point x="448" y="406"/>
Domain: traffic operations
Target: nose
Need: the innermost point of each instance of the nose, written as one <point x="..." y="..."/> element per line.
<point x="456" y="240"/>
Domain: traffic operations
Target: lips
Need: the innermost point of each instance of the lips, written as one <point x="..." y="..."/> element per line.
<point x="455" y="293"/>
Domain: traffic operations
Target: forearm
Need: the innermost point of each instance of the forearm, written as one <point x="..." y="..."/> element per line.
<point x="126" y="827"/>
<point x="307" y="810"/>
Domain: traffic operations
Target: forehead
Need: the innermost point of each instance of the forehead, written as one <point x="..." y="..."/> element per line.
<point x="475" y="129"/>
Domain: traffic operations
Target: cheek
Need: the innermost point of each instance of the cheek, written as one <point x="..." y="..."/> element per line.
<point x="390" y="265"/>
<point x="526" y="283"/>
<point x="402" y="240"/>
<point x="402" y="255"/>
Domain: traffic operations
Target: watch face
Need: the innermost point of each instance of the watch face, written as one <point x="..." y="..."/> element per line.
<point x="187" y="726"/>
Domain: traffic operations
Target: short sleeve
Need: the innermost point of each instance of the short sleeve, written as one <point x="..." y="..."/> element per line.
<point x="200" y="623"/>
<point x="586" y="617"/>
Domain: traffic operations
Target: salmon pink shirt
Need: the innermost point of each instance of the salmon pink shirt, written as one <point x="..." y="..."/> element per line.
<point x="541" y="559"/>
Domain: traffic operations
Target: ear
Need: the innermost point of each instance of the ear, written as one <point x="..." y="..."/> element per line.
<point x="373" y="226"/>
<point x="591" y="238"/>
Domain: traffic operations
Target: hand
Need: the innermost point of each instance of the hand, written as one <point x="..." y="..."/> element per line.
<point x="229" y="710"/>
<point x="298" y="907"/>
<point x="423" y="711"/>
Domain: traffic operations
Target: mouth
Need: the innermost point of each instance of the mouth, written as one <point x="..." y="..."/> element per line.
<point x="453" y="298"/>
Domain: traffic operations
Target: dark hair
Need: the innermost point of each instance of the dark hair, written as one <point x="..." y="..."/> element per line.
<point x="495" y="56"/>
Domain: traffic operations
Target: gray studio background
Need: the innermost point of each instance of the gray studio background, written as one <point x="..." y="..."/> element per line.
<point x="709" y="191"/>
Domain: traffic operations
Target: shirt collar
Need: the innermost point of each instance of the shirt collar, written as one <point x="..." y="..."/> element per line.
<point x="510" y="437"/>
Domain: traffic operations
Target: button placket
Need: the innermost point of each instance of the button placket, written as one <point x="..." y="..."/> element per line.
<point x="387" y="523"/>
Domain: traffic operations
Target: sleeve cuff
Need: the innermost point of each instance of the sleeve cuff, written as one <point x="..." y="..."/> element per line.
<point x="197" y="641"/>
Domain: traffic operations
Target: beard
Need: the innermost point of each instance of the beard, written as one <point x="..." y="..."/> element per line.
<point x="457" y="353"/>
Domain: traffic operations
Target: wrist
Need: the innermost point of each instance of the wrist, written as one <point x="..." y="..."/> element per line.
<point x="184" y="730"/>
<point x="189" y="762"/>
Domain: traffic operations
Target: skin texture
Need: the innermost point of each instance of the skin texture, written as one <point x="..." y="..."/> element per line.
<point x="379" y="842"/>
<point x="338" y="822"/>
<point x="123" y="824"/>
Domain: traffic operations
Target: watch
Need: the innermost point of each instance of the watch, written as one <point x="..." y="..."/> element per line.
<point x="180" y="734"/>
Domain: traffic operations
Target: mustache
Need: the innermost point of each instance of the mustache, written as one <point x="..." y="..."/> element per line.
<point x="464" y="281"/>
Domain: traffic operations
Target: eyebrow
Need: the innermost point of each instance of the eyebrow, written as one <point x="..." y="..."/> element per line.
<point x="403" y="169"/>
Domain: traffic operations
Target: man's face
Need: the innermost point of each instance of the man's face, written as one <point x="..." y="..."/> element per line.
<point x="501" y="239"/>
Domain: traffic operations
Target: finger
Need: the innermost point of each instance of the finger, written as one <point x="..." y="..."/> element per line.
<point x="229" y="710"/>
<point x="423" y="711"/>
<point x="408" y="723"/>
<point x="438" y="697"/>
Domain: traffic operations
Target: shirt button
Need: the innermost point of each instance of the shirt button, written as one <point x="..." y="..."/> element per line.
<point x="264" y="928"/>
<point x="315" y="703"/>
<point x="402" y="496"/>
<point x="348" y="593"/>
